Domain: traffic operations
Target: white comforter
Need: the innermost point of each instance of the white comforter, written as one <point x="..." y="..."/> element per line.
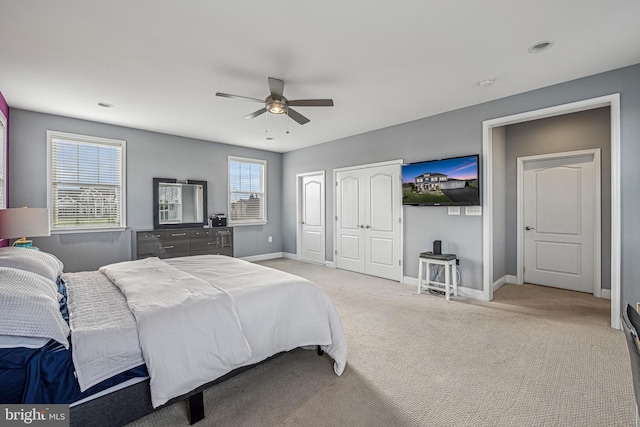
<point x="276" y="312"/>
<point x="188" y="330"/>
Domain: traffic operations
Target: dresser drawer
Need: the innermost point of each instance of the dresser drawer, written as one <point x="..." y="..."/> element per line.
<point x="213" y="251"/>
<point x="172" y="247"/>
<point x="200" y="244"/>
<point x="177" y="235"/>
<point x="150" y="236"/>
<point x="147" y="249"/>
<point x="204" y="233"/>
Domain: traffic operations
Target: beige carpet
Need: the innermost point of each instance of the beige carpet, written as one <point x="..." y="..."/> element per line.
<point x="534" y="356"/>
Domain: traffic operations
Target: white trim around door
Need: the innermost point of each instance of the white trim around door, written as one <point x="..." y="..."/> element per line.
<point x="612" y="101"/>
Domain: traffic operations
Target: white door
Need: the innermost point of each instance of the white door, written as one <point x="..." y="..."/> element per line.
<point x="559" y="222"/>
<point x="350" y="220"/>
<point x="368" y="221"/>
<point x="312" y="218"/>
<point x="382" y="221"/>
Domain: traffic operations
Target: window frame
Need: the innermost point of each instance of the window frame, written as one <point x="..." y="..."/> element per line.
<point x="87" y="139"/>
<point x="263" y="164"/>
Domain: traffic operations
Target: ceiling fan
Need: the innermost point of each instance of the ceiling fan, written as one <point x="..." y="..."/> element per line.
<point x="276" y="103"/>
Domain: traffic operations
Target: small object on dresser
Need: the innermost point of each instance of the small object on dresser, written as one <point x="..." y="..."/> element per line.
<point x="218" y="220"/>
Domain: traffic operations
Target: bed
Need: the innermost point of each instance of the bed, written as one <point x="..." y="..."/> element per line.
<point x="139" y="335"/>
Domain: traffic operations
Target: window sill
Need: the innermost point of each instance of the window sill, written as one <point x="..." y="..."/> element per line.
<point x="86" y="230"/>
<point x="242" y="224"/>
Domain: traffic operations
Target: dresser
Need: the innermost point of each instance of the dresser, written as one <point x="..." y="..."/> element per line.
<point x="170" y="243"/>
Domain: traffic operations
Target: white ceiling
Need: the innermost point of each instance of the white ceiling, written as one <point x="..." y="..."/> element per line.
<point x="161" y="62"/>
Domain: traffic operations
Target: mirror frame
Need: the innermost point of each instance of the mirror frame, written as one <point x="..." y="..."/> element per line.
<point x="156" y="203"/>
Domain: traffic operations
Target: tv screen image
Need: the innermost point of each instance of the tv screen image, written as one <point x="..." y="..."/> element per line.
<point x="445" y="182"/>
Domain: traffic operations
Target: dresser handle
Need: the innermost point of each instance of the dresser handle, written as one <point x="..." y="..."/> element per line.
<point x="165" y="247"/>
<point x="178" y="234"/>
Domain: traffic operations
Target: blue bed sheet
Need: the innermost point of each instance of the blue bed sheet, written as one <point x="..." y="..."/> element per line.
<point x="46" y="375"/>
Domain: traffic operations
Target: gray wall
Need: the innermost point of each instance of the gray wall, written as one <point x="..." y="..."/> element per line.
<point x="149" y="155"/>
<point x="457" y="133"/>
<point x="570" y="132"/>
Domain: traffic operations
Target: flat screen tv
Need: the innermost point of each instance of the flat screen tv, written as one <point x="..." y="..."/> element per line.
<point x="445" y="182"/>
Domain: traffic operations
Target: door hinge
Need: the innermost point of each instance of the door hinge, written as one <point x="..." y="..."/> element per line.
<point x="336" y="217"/>
<point x="399" y="262"/>
<point x="400" y="220"/>
<point x="336" y="183"/>
<point x="336" y="251"/>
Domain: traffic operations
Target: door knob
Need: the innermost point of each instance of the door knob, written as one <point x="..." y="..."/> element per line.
<point x="301" y="222"/>
<point x="368" y="226"/>
<point x="361" y="226"/>
<point x="529" y="228"/>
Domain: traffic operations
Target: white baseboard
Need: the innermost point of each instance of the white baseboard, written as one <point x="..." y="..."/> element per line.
<point x="605" y="293"/>
<point x="499" y="283"/>
<point x="289" y="255"/>
<point x="412" y="281"/>
<point x="263" y="257"/>
<point x="512" y="280"/>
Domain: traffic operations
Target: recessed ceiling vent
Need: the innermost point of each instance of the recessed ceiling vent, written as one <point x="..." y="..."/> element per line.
<point x="540" y="47"/>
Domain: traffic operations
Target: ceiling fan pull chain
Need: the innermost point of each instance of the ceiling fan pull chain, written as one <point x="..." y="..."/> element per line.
<point x="287" y="120"/>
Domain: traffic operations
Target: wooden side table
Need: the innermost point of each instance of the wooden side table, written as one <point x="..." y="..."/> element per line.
<point x="448" y="261"/>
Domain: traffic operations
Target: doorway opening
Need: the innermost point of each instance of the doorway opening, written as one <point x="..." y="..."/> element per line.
<point x="611" y="101"/>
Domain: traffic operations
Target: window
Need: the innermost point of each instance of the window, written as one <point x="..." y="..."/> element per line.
<point x="86" y="182"/>
<point x="247" y="191"/>
<point x="3" y="161"/>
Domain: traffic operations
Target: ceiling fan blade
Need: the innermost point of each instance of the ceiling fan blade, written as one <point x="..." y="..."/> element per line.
<point x="276" y="86"/>
<point x="297" y="116"/>
<point x="311" y="103"/>
<point x="256" y="113"/>
<point x="226" y="95"/>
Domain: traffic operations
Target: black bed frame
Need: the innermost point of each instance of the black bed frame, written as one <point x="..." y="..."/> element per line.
<point x="133" y="402"/>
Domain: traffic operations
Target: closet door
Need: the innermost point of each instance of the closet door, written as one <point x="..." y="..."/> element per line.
<point x="350" y="223"/>
<point x="382" y="221"/>
<point x="368" y="220"/>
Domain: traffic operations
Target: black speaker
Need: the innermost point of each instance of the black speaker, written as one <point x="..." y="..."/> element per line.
<point x="437" y="247"/>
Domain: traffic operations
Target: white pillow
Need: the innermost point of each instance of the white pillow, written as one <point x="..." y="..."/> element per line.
<point x="29" y="306"/>
<point x="38" y="262"/>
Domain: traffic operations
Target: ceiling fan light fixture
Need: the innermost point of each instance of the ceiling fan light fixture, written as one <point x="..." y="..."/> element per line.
<point x="276" y="107"/>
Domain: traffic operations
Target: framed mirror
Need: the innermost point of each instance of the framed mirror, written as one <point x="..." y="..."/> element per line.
<point x="179" y="204"/>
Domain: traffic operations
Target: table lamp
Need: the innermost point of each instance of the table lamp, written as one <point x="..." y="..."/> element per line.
<point x="22" y="222"/>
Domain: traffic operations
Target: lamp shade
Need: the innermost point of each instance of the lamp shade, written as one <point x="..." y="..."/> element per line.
<point x="23" y="222"/>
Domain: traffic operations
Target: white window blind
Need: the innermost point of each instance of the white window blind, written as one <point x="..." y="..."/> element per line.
<point x="86" y="189"/>
<point x="247" y="191"/>
<point x="3" y="161"/>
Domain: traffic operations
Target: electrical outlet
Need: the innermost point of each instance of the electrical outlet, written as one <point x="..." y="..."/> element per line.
<point x="270" y="239"/>
<point x="454" y="210"/>
<point x="473" y="210"/>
